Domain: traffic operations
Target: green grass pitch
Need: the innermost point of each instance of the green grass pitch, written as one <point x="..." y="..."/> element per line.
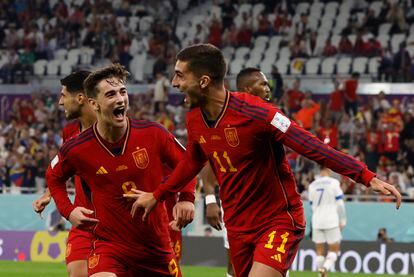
<point x="38" y="269"/>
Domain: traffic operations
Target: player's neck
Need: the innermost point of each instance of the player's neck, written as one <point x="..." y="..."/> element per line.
<point x="214" y="103"/>
<point x="111" y="133"/>
<point x="86" y="120"/>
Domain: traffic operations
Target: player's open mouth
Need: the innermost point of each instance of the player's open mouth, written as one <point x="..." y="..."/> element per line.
<point x="119" y="112"/>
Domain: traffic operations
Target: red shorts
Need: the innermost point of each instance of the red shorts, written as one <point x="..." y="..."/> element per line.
<point x="275" y="246"/>
<point x="110" y="257"/>
<point x="176" y="243"/>
<point x="79" y="245"/>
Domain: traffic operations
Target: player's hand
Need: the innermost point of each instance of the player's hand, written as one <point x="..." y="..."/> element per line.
<point x="79" y="219"/>
<point x="173" y="226"/>
<point x="382" y="187"/>
<point x="341" y="227"/>
<point x="214" y="217"/>
<point x="144" y="200"/>
<point x="183" y="213"/>
<point x="40" y="204"/>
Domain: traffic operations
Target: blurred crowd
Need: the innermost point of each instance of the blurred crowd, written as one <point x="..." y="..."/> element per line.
<point x="377" y="129"/>
<point x="120" y="30"/>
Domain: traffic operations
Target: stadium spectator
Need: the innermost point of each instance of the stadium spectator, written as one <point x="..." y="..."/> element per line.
<point x="329" y="49"/>
<point x="294" y="97"/>
<point x="382" y="236"/>
<point x="336" y="102"/>
<point x="307" y="115"/>
<point x="345" y="45"/>
<point x="350" y="94"/>
<point x="402" y="64"/>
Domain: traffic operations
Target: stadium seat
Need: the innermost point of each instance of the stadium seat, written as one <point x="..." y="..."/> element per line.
<point x="228" y="52"/>
<point x="344" y="65"/>
<point x="60" y="54"/>
<point x="384" y="28"/>
<point x="302" y="8"/>
<point x="87" y="55"/>
<point x="261" y="42"/>
<point x="410" y="49"/>
<point x="65" y="68"/>
<point x="316" y="10"/>
<point x="352" y="38"/>
<point x="241" y="53"/>
<point x="137" y="67"/>
<point x="52" y="67"/>
<point x="236" y="65"/>
<point x="313" y="23"/>
<point x="373" y="65"/>
<point x="180" y="32"/>
<point x="39" y="67"/>
<point x="383" y="39"/>
<point x="396" y="41"/>
<point x="331" y="8"/>
<point x="74" y="55"/>
<point x="376" y="7"/>
<point x="145" y="24"/>
<point x="312" y="66"/>
<point x="335" y="39"/>
<point x="270" y="55"/>
<point x="360" y="65"/>
<point x="411" y="29"/>
<point x="285" y="53"/>
<point x="245" y="7"/>
<point x="282" y="66"/>
<point x="266" y="66"/>
<point x="258" y="9"/>
<point x="275" y="41"/>
<point x="328" y="65"/>
<point x="321" y="40"/>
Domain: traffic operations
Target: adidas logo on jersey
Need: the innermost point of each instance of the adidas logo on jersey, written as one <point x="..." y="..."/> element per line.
<point x="202" y="140"/>
<point x="101" y="170"/>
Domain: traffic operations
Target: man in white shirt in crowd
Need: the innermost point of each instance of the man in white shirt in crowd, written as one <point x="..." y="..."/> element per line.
<point x="328" y="218"/>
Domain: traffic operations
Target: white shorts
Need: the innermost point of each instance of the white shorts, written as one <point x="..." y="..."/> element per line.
<point x="329" y="236"/>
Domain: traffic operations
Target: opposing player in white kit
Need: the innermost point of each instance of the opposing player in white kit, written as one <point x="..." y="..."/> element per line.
<point x="328" y="218"/>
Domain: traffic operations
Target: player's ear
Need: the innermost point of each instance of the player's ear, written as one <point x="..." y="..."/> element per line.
<point x="94" y="104"/>
<point x="81" y="98"/>
<point x="205" y="80"/>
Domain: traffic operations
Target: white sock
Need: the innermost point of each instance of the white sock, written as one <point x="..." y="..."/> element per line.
<point x="319" y="261"/>
<point x="229" y="275"/>
<point x="330" y="260"/>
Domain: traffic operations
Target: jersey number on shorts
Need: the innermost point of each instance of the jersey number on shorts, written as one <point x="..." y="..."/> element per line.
<point x="173" y="268"/>
<point x="320" y="196"/>
<point x="281" y="248"/>
<point x="227" y="158"/>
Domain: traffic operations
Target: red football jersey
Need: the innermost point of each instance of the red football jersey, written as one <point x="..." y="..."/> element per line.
<point x="72" y="130"/>
<point x="245" y="149"/>
<point x="138" y="164"/>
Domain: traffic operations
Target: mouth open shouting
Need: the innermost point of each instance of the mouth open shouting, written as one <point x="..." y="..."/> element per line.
<point x="120" y="113"/>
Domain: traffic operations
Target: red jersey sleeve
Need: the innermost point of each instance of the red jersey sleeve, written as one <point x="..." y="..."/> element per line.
<point x="193" y="161"/>
<point x="57" y="174"/>
<point x="305" y="143"/>
<point x="173" y="154"/>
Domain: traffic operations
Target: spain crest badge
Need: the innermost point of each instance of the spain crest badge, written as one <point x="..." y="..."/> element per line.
<point x="141" y="158"/>
<point x="231" y="136"/>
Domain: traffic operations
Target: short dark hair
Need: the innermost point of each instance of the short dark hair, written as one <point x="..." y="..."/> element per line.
<point x="74" y="81"/>
<point x="113" y="70"/>
<point x="204" y="59"/>
<point x="244" y="73"/>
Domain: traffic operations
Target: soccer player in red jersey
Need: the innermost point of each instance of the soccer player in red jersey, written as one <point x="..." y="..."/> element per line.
<point x="242" y="137"/>
<point x="254" y="82"/>
<point x="77" y="109"/>
<point x="114" y="157"/>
